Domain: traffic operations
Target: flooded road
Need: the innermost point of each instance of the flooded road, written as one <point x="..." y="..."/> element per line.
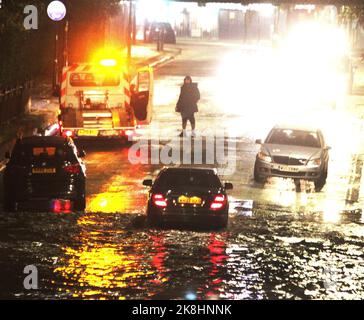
<point x="280" y="243"/>
<point x="116" y="256"/>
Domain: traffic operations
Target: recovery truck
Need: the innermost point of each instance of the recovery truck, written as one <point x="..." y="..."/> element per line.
<point x="104" y="99"/>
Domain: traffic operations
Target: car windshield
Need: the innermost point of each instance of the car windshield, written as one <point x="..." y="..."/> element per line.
<point x="294" y="138"/>
<point x="202" y="179"/>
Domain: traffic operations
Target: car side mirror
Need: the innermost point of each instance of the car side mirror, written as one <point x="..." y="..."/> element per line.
<point x="148" y="182"/>
<point x="258" y="141"/>
<point x="82" y="153"/>
<point x="228" y="186"/>
<point x="7" y="155"/>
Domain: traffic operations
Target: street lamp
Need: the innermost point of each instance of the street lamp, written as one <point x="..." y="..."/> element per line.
<point x="56" y="11"/>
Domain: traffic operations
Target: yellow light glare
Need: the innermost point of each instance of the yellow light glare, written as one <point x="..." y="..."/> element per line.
<point x="108" y="62"/>
<point x="108" y="58"/>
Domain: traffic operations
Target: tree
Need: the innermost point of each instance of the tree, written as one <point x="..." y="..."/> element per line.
<point x="351" y="17"/>
<point x="29" y="54"/>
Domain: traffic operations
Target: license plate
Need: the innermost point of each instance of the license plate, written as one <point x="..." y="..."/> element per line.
<point x="109" y="133"/>
<point x="285" y="168"/>
<point x="189" y="200"/>
<point x="44" y="170"/>
<point x="88" y="132"/>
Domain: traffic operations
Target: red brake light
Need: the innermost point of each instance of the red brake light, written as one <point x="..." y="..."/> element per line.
<point x="57" y="206"/>
<point x="218" y="203"/>
<point x="62" y="206"/>
<point x="159" y="201"/>
<point x="73" y="169"/>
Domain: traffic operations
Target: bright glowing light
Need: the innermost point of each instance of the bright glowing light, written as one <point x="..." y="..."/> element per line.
<point x="129" y="132"/>
<point x="331" y="212"/>
<point x="103" y="203"/>
<point x="56" y="10"/>
<point x="313" y="64"/>
<point x="309" y="71"/>
<point x="108" y="57"/>
<point x="191" y="296"/>
<point x="68" y="133"/>
<point x="108" y="62"/>
<point x="155" y="10"/>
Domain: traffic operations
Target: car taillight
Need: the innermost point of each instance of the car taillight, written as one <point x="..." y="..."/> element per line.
<point x="218" y="203"/>
<point x="62" y="206"/>
<point x="73" y="169"/>
<point x="67" y="133"/>
<point x="159" y="201"/>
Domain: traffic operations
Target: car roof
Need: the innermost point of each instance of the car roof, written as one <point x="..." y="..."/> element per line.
<point x="44" y="140"/>
<point x="308" y="128"/>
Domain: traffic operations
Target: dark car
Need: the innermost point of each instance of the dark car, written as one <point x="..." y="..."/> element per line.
<point x="45" y="173"/>
<point x="188" y="195"/>
<point x="163" y="29"/>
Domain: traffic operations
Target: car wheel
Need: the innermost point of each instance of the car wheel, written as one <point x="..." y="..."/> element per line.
<point x="224" y="223"/>
<point x="80" y="201"/>
<point x="297" y="184"/>
<point x="321" y="181"/>
<point x="257" y="177"/>
<point x="154" y="221"/>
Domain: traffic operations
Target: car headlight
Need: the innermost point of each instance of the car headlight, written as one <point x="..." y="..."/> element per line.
<point x="264" y="157"/>
<point x="314" y="162"/>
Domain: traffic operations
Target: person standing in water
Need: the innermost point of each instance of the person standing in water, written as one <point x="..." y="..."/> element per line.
<point x="187" y="104"/>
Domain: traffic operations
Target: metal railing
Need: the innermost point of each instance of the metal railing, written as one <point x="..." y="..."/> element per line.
<point x="13" y="101"/>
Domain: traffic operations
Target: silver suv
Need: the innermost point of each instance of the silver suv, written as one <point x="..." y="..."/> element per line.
<point x="293" y="152"/>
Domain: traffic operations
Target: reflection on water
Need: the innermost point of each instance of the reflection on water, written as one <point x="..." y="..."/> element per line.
<point x="102" y="256"/>
<point x="94" y="266"/>
<point x="122" y="192"/>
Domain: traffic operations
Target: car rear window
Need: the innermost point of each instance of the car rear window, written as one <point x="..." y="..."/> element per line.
<point x="44" y="151"/>
<point x="294" y="138"/>
<point x="173" y="179"/>
<point x="27" y="154"/>
<point x="110" y="79"/>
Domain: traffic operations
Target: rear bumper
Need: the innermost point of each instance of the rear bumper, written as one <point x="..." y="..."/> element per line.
<point x="266" y="170"/>
<point x="204" y="218"/>
<point x="101" y="134"/>
<point x="40" y="204"/>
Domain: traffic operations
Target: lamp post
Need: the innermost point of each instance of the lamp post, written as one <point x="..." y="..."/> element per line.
<point x="55" y="62"/>
<point x="130" y="28"/>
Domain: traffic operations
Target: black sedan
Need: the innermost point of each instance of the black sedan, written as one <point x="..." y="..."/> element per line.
<point x="45" y="173"/>
<point x="188" y="195"/>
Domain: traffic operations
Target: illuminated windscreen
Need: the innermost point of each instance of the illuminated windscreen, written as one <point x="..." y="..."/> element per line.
<point x="94" y="80"/>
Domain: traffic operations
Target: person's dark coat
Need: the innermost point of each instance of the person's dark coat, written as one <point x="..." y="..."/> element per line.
<point x="188" y="98"/>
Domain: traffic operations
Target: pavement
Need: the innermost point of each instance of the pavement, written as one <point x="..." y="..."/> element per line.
<point x="280" y="243"/>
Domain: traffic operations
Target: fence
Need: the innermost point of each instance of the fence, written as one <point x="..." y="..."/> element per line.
<point x="13" y="101"/>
